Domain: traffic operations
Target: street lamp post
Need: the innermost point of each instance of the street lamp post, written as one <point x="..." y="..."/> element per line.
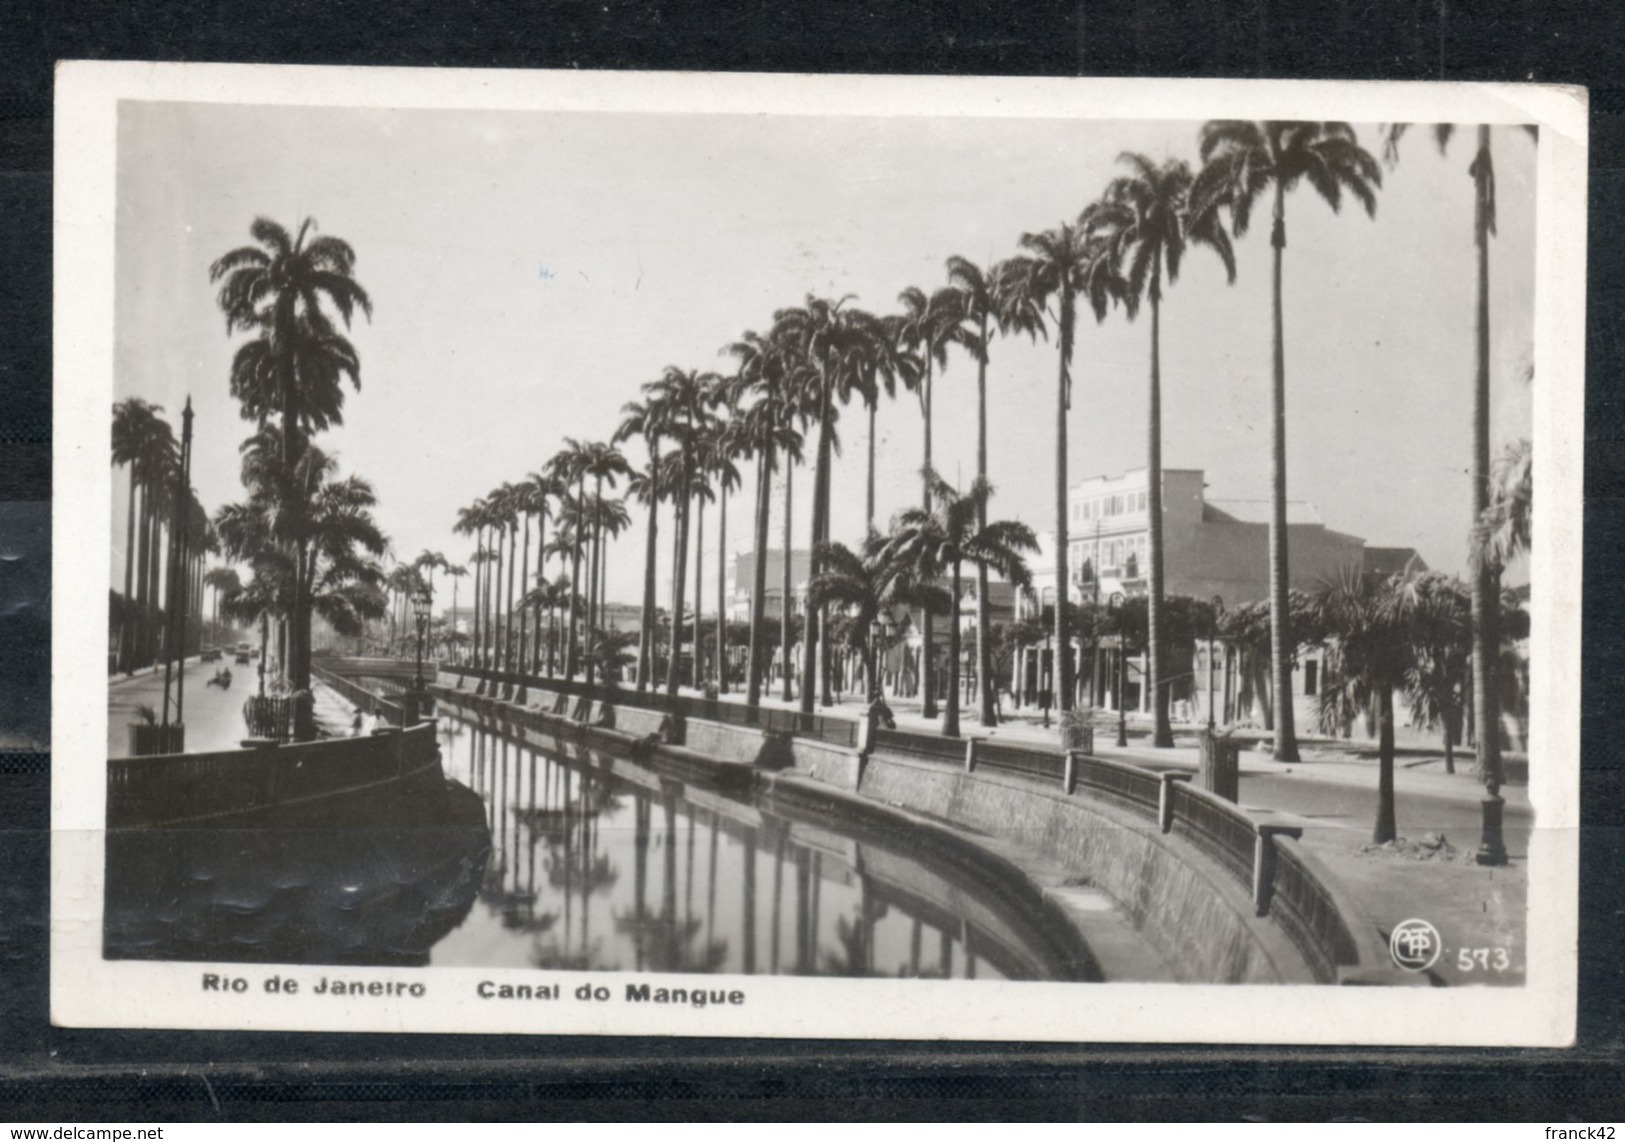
<point x="1218" y="609"/>
<point x="1115" y="605"/>
<point x="1046" y="696"/>
<point x="422" y="604"/>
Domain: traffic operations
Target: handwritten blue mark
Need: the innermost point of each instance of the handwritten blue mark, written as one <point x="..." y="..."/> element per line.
<point x="545" y="274"/>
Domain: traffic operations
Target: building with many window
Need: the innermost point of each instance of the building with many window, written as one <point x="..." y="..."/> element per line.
<point x="1214" y="550"/>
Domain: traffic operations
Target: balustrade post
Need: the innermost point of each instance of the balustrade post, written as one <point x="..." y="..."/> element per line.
<point x="1069" y="776"/>
<point x="1264" y="862"/>
<point x="1165" y="798"/>
<point x="970" y="755"/>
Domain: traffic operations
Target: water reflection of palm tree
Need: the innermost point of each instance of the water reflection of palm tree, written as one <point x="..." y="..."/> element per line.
<point x="856" y="938"/>
<point x="580" y="866"/>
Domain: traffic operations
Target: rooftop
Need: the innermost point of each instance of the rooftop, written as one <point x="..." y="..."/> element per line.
<point x="1258" y="511"/>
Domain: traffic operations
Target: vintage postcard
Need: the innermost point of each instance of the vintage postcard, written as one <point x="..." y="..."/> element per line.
<point x="837" y="557"/>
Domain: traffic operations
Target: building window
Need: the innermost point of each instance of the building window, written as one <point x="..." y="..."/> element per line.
<point x="1311" y="680"/>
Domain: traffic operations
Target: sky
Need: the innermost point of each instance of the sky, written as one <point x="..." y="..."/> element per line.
<point x="530" y="270"/>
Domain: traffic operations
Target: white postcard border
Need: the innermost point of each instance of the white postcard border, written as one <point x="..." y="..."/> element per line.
<point x="88" y="991"/>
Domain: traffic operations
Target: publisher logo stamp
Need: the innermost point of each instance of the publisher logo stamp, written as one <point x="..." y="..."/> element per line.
<point x="1415" y="945"/>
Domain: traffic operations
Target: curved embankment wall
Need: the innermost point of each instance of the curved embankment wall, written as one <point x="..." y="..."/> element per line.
<point x="1197" y="915"/>
<point x="392" y="774"/>
<point x="1193" y="915"/>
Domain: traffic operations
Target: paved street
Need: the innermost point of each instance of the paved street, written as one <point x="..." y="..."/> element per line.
<point x="214" y="717"/>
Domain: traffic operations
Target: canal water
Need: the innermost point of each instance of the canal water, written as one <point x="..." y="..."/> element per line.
<point x="547" y="854"/>
<point x="599" y="864"/>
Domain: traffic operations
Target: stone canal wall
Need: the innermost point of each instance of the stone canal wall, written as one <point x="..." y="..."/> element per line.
<point x="1195" y="917"/>
<point x="1184" y="886"/>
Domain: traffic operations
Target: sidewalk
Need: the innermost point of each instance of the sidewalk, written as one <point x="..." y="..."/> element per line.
<point x="1325" y="762"/>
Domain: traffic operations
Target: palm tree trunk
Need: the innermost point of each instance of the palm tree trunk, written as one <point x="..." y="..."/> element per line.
<point x="1386" y="830"/>
<point x="758" y="586"/>
<point x="698" y="673"/>
<point x="1286" y="741"/>
<point x="1485" y="578"/>
<point x="984" y="646"/>
<point x="1061" y="669"/>
<point x="590" y="636"/>
<point x="524" y="589"/>
<point x="674" y="670"/>
<point x="479" y="595"/>
<point x="784" y="598"/>
<point x="722" y="583"/>
<point x="646" y="636"/>
<point x="571" y="648"/>
<point x="678" y="513"/>
<point x="541" y="579"/>
<point x="827" y="646"/>
<point x="141" y="608"/>
<point x="810" y="632"/>
<point x="507" y="630"/>
<point x="869" y="516"/>
<point x="495" y="630"/>
<point x="1162" y="735"/>
<point x="126" y="640"/>
<point x="453" y="616"/>
<point x="928" y="666"/>
<point x="950" y="723"/>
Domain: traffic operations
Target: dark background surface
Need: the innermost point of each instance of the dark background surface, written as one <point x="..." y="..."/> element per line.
<point x="57" y="1076"/>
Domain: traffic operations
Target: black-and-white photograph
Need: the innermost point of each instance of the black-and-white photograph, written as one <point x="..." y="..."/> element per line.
<point x="580" y="563"/>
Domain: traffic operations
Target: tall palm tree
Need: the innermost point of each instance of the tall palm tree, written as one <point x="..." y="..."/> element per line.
<point x="457" y="571"/>
<point x="768" y="430"/>
<point x="134" y="422"/>
<point x="1064" y="264"/>
<point x="224" y="581"/>
<point x="602" y="463"/>
<point x="471" y="521"/>
<point x="1486" y="575"/>
<point x="643" y="418"/>
<point x="1241" y="161"/>
<point x="277" y="290"/>
<point x="724" y="445"/>
<point x="925" y="543"/>
<point x="927" y="326"/>
<point x="681" y="397"/>
<point x="539" y="491"/>
<point x="310" y="533"/>
<point x="869" y="585"/>
<point x="1146" y="216"/>
<point x="1368" y="656"/>
<point x="156" y="466"/>
<point x="568" y="467"/>
<point x="832" y="339"/>
<point x="989" y="301"/>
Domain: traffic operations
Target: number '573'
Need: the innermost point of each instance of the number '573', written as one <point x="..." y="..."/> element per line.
<point x="1483" y="959"/>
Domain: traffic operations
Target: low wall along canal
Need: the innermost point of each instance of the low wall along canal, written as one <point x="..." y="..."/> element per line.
<point x="1150" y="878"/>
<point x="540" y="825"/>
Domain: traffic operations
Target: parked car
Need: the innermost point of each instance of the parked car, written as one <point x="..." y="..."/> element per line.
<point x="212" y="654"/>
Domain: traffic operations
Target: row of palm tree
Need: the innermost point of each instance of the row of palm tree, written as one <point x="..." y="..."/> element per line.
<point x="507" y="631"/>
<point x="145" y="443"/>
<point x="1122" y="251"/>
